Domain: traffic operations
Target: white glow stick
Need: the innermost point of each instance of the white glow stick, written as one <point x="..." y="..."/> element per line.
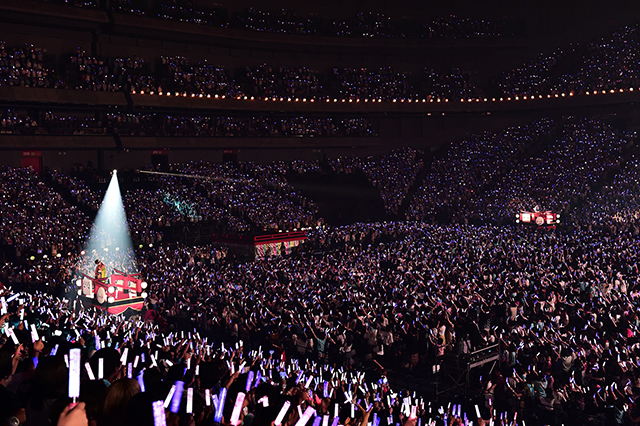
<point x="302" y="421"/>
<point x="237" y="409"/>
<point x="282" y="413"/>
<point x="189" y="408"/>
<point x="207" y="397"/>
<point x="89" y="371"/>
<point x="135" y="361"/>
<point x="100" y="368"/>
<point x="159" y="416"/>
<point x="123" y="358"/>
<point x="167" y="401"/>
<point x="3" y="306"/>
<point x="477" y="412"/>
<point x="75" y="356"/>
<point x="13" y="336"/>
<point x="325" y="420"/>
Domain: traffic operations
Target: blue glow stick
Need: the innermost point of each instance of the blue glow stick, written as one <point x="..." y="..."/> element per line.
<point x="140" y="379"/>
<point x="223" y="395"/>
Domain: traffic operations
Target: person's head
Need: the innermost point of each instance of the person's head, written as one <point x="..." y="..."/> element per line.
<point x="117" y="399"/>
<point x="51" y="379"/>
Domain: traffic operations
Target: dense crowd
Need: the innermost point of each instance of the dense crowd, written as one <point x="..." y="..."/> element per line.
<point x="465" y="169"/>
<point x="603" y="65"/>
<point x="177" y="75"/>
<point x="128" y="124"/>
<point x="388" y="297"/>
<point x="25" y="66"/>
<point x="565" y="173"/>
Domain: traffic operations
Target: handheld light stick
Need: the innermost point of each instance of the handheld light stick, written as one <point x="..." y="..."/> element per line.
<point x="74" y="375"/>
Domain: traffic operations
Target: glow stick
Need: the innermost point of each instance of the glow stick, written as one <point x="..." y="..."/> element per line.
<point x="135" y="361"/>
<point x="207" y="397"/>
<point x="477" y="412"/>
<point x="123" y="358"/>
<point x="376" y="420"/>
<point x="302" y="421"/>
<point x="168" y="399"/>
<point x="13" y="336"/>
<point x="325" y="420"/>
<point x="214" y="400"/>
<point x="140" y="379"/>
<point x="308" y="382"/>
<point x="129" y="371"/>
<point x="265" y="401"/>
<point x="3" y="304"/>
<point x="316" y="421"/>
<point x="54" y="351"/>
<point x="12" y="298"/>
<point x="159" y="416"/>
<point x="189" y="409"/>
<point x="100" y="368"/>
<point x="89" y="371"/>
<point x="249" y="381"/>
<point x="237" y="408"/>
<point x="223" y="395"/>
<point x="74" y="374"/>
<point x="177" y="397"/>
<point x="34" y="334"/>
<point x="282" y="413"/>
<point x="336" y="420"/>
<point x="335" y="410"/>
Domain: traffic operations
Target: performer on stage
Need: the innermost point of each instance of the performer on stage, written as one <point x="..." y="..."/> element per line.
<point x="101" y="270"/>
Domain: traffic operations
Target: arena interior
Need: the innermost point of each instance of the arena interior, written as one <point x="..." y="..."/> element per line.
<point x="310" y="213"/>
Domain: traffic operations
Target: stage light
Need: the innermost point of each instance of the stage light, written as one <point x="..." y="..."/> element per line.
<point x="143" y="284"/>
<point x="112" y="289"/>
<point x="111" y="299"/>
<point x="144" y="295"/>
<point x="110" y="230"/>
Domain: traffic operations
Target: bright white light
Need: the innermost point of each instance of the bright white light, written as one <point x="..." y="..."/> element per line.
<point x="144" y="295"/>
<point x="110" y="230"/>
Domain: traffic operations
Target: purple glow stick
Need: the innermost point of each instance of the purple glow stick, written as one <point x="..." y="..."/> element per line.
<point x="177" y="397"/>
<point x="249" y="381"/>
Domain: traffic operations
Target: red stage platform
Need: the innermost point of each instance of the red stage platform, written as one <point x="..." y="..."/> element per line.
<point x="261" y="246"/>
<point x="116" y="294"/>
